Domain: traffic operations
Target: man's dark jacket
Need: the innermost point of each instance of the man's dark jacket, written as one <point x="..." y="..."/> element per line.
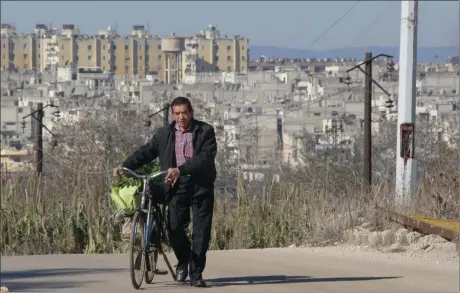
<point x="201" y="167"/>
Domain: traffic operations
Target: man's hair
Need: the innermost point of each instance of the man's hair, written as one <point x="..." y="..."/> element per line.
<point x="182" y="101"/>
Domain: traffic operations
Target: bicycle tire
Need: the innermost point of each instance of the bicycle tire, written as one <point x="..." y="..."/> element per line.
<point x="137" y="234"/>
<point x="151" y="259"/>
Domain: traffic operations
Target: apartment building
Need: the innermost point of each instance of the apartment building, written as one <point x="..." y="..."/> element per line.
<point x="155" y="56"/>
<point x="7" y="32"/>
<point x="68" y="45"/>
<point x="6" y="53"/>
<point x="25" y="53"/>
<point x="227" y="54"/>
<point x="89" y="52"/>
<point x="18" y="52"/>
<point x="136" y="55"/>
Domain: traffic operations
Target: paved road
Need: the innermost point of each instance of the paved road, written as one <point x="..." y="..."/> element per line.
<point x="270" y="270"/>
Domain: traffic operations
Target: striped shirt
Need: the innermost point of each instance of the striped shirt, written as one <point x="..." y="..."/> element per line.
<point x="183" y="146"/>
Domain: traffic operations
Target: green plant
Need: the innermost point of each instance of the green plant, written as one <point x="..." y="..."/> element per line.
<point x="125" y="191"/>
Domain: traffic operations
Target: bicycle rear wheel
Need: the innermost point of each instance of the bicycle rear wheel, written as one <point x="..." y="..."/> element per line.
<point x="137" y="250"/>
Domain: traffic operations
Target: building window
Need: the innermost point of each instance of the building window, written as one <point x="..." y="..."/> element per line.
<point x="89" y="47"/>
<point x="4" y="46"/>
<point x="159" y="47"/>
<point x="243" y="58"/>
<point x="103" y="47"/>
<point x="140" y="57"/>
<point x="229" y="58"/>
<point x="242" y="48"/>
<point x="126" y="47"/>
<point x="25" y="56"/>
<point x="229" y="48"/>
<point x="25" y="46"/>
<point x="90" y="58"/>
<point x="103" y="57"/>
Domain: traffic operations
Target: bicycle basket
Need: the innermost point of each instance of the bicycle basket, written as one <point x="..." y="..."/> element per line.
<point x="126" y="199"/>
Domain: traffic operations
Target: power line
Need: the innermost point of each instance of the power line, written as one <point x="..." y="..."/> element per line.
<point x="371" y="25"/>
<point x="334" y="24"/>
<point x="75" y="169"/>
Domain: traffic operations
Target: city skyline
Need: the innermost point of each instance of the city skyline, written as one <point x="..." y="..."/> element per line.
<point x="273" y="23"/>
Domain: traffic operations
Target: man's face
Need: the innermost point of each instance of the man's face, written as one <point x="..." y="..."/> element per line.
<point x="182" y="115"/>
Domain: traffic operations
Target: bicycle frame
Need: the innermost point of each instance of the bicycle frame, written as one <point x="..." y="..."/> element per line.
<point x="148" y="227"/>
<point x="150" y="222"/>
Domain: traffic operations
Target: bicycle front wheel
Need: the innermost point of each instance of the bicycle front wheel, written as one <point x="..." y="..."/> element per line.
<point x="137" y="250"/>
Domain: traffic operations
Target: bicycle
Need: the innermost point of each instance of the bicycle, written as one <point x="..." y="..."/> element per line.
<point x="149" y="216"/>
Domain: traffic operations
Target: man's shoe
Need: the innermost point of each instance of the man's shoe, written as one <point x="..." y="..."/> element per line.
<point x="198" y="283"/>
<point x="181" y="272"/>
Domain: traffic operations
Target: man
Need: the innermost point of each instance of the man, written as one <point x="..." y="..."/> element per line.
<point x="186" y="149"/>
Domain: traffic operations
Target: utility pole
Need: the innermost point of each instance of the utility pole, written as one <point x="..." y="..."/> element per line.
<point x="406" y="165"/>
<point x="39" y="134"/>
<point x="368" y="80"/>
<point x="166" y="113"/>
<point x="367" y="172"/>
<point x="256" y="155"/>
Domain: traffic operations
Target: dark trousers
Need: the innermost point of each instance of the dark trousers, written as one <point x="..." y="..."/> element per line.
<point x="178" y="219"/>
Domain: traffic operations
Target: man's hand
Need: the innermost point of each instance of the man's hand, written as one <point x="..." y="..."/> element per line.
<point x="115" y="172"/>
<point x="172" y="175"/>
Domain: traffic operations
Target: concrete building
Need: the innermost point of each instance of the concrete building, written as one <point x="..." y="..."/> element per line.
<point x="68" y="48"/>
<point x="226" y="53"/>
<point x="18" y="52"/>
<point x="131" y="57"/>
<point x="155" y="56"/>
<point x="7" y="53"/>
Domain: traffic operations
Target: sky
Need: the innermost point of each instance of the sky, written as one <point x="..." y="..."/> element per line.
<point x="290" y="24"/>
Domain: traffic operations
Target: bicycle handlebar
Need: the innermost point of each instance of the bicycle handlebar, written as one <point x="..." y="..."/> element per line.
<point x="141" y="176"/>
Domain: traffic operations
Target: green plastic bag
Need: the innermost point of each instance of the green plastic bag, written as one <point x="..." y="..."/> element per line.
<point x="126" y="199"/>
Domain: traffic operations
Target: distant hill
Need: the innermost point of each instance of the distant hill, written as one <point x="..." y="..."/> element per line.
<point x="425" y="54"/>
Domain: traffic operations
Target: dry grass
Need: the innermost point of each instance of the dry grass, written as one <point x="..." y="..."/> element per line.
<point x="73" y="214"/>
<point x="69" y="210"/>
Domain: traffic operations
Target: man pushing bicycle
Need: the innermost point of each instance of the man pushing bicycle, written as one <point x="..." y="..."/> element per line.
<point x="186" y="148"/>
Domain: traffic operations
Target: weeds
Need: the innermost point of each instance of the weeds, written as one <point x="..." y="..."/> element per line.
<point x="76" y="215"/>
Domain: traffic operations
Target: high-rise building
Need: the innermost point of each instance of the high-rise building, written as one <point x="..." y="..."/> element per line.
<point x="228" y="54"/>
<point x="134" y="56"/>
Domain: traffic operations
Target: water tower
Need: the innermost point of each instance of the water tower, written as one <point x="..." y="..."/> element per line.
<point x="172" y="47"/>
